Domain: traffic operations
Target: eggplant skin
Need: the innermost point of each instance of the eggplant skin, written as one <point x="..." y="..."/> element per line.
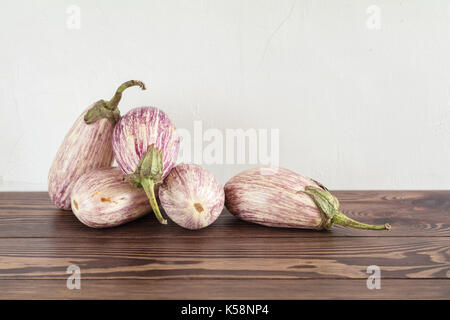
<point x="272" y="197"/>
<point x="137" y="130"/>
<point x="85" y="147"/>
<point x="101" y="198"/>
<point x="191" y="196"/>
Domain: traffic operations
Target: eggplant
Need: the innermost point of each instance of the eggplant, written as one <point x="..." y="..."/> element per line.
<point x="191" y="196"/>
<point x="145" y="145"/>
<point x="278" y="197"/>
<point x="102" y="199"/>
<point x="86" y="146"/>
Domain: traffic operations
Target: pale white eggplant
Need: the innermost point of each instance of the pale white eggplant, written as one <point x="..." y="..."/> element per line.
<point x="101" y="198"/>
<point x="87" y="146"/>
<point x="278" y="197"/>
<point x="191" y="196"/>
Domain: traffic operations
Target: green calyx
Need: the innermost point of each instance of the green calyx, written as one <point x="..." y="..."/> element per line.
<point x="148" y="175"/>
<point x="109" y="109"/>
<point x="329" y="208"/>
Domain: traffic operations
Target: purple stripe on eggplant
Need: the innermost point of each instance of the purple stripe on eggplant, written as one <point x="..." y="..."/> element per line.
<point x="137" y="130"/>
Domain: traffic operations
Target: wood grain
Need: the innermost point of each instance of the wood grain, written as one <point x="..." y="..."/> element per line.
<point x="248" y="258"/>
<point x="225" y="289"/>
<point x="231" y="258"/>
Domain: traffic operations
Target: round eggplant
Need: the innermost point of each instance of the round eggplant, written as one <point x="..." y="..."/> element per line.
<point x="191" y="196"/>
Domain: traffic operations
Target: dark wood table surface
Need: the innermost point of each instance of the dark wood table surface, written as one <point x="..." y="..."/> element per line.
<point x="231" y="259"/>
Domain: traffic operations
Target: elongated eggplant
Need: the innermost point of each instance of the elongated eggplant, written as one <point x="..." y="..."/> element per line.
<point x="191" y="196"/>
<point x="101" y="199"/>
<point x="86" y="146"/>
<point x="146" y="145"/>
<point x="278" y="197"/>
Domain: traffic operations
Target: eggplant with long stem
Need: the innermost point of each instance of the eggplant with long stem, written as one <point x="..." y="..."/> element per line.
<point x="86" y="146"/>
<point x="278" y="197"/>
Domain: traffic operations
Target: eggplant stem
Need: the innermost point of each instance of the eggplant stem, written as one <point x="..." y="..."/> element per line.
<point x="342" y="220"/>
<point x="118" y="95"/>
<point x="149" y="187"/>
<point x="109" y="109"/>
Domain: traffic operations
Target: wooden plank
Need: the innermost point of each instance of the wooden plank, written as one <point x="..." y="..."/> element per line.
<point x="226" y="289"/>
<point x="225" y="258"/>
<point x="411" y="213"/>
<point x="231" y="259"/>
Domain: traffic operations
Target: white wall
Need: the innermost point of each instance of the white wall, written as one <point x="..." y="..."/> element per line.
<point x="357" y="107"/>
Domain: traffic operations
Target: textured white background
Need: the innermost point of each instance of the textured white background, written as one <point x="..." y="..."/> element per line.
<point x="356" y="108"/>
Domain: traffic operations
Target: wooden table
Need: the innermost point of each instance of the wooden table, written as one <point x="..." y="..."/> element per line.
<point x="231" y="259"/>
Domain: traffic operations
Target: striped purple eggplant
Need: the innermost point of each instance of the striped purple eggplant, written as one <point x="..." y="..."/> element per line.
<point x="191" y="196"/>
<point x="145" y="145"/>
<point x="278" y="197"/>
<point x="86" y="146"/>
<point x="101" y="199"/>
